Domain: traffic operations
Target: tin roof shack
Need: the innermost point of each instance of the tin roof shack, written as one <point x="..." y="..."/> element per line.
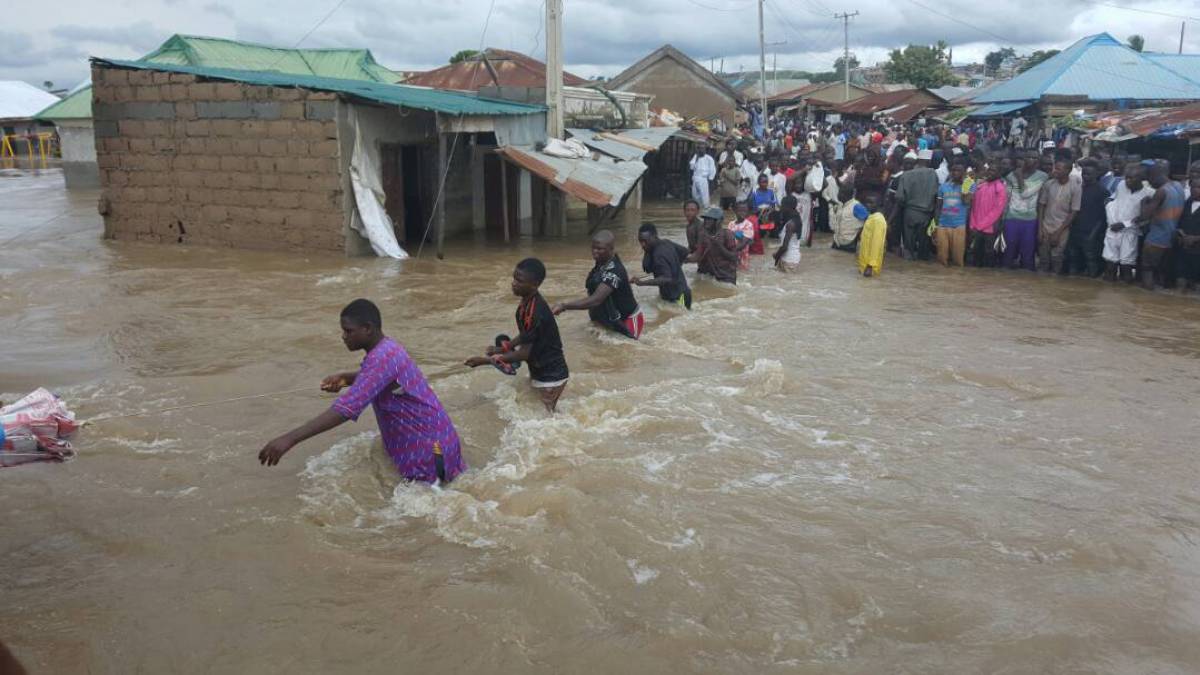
<point x="73" y="115"/>
<point x="268" y="160"/>
<point x="679" y="84"/>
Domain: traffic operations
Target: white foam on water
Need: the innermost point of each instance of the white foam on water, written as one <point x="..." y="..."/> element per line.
<point x="156" y="447"/>
<point x="641" y="574"/>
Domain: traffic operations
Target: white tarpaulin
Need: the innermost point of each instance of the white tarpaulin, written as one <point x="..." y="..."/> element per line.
<point x="370" y="219"/>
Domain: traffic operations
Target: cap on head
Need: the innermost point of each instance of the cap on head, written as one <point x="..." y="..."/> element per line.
<point x="714" y="213"/>
<point x="910" y="155"/>
<point x="925" y="155"/>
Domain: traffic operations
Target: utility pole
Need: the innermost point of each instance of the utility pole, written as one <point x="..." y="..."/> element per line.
<point x="555" y="201"/>
<point x="1182" y="25"/>
<point x="554" y="69"/>
<point x="845" y="17"/>
<point x="775" y="65"/>
<point x="762" y="66"/>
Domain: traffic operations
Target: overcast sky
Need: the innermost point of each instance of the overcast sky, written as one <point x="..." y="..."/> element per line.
<point x="602" y="37"/>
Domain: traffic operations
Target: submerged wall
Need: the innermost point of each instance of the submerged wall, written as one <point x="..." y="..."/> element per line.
<point x="183" y="160"/>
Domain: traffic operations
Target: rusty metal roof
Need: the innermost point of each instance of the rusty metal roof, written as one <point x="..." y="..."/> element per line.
<point x="492" y="68"/>
<point x="1158" y="122"/>
<point x="869" y="105"/>
<point x="599" y="182"/>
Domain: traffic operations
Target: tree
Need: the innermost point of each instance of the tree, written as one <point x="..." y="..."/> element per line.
<point x="1137" y="43"/>
<point x="48" y="85"/>
<point x="1036" y="58"/>
<point x="464" y="55"/>
<point x="995" y="60"/>
<point x="920" y="65"/>
<point x="839" y="67"/>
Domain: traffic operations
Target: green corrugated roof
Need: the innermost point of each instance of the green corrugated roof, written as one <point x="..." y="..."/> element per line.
<point x="75" y="106"/>
<point x="193" y="50"/>
<point x="419" y="98"/>
<point x="345" y="64"/>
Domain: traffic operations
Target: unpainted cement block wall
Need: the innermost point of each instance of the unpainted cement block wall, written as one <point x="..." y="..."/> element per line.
<point x="184" y="160"/>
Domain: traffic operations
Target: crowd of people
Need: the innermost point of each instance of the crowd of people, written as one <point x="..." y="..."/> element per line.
<point x="973" y="194"/>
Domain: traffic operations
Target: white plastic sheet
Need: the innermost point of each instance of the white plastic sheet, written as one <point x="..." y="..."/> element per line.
<point x="370" y="218"/>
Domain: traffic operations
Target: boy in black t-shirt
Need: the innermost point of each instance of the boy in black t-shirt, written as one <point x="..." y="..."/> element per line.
<point x="538" y="342"/>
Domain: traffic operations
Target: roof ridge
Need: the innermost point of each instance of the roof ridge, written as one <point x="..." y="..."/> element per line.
<point x="260" y="45"/>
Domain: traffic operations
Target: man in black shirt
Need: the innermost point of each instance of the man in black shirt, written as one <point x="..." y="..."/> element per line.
<point x="664" y="259"/>
<point x="610" y="300"/>
<point x="1085" y="241"/>
<point x="538" y="342"/>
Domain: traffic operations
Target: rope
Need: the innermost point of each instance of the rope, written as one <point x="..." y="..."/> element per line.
<point x="196" y="405"/>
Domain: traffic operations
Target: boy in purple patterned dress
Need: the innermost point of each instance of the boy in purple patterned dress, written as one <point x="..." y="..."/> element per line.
<point x="417" y="432"/>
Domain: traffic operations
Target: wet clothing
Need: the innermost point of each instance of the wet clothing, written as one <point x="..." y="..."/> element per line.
<point x="847" y="223"/>
<point x="415" y="427"/>
<point x="692" y="230"/>
<point x="988" y="202"/>
<point x="954" y="205"/>
<point x="1125" y="207"/>
<point x="1189" y="252"/>
<point x="537" y="327"/>
<point x="1086" y="238"/>
<point x="1022" y="202"/>
<point x="620" y="304"/>
<point x="665" y="260"/>
<point x="720" y="267"/>
<point x="1165" y="220"/>
<point x="743" y="231"/>
<point x="1020" y="238"/>
<point x="872" y="244"/>
<point x="916" y="192"/>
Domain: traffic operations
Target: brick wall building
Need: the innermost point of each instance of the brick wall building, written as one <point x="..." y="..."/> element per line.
<point x="268" y="160"/>
<point x="218" y="163"/>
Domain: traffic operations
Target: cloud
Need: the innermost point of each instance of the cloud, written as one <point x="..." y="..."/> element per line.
<point x="601" y="37"/>
<point x="218" y="8"/>
<point x="141" y="35"/>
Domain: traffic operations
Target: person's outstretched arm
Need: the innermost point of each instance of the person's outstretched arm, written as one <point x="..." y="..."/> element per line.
<point x="594" y="300"/>
<point x="272" y="452"/>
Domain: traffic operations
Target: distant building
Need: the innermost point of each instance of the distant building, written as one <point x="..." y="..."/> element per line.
<point x="680" y="85"/>
<point x="816" y="99"/>
<point x="900" y="106"/>
<point x="490" y="68"/>
<point x="1095" y="74"/>
<point x="19" y="104"/>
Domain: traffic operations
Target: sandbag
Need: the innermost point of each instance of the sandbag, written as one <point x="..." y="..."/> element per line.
<point x="37" y="428"/>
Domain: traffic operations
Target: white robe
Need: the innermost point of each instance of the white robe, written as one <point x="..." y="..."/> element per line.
<point x="704" y="169"/>
<point x="1124" y="207"/>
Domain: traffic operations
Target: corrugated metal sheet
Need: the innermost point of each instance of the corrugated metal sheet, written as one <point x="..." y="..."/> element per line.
<point x="343" y="64"/>
<point x="1185" y="65"/>
<point x="998" y="109"/>
<point x="191" y="50"/>
<point x="624" y="145"/>
<point x="948" y="93"/>
<point x="76" y="106"/>
<point x="21" y="100"/>
<point x="599" y="182"/>
<point x="511" y="69"/>
<point x="1099" y="68"/>
<point x="419" y="98"/>
<point x="869" y="105"/>
<point x="1162" y="122"/>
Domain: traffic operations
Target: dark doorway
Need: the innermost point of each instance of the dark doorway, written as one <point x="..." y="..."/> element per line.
<point x="415" y="211"/>
<point x="501" y="197"/>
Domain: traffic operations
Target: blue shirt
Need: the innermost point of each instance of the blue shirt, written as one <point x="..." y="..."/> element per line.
<point x="762" y="197"/>
<point x="954" y="209"/>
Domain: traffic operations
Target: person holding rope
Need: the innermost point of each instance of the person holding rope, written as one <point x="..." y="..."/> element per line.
<point x="417" y="432"/>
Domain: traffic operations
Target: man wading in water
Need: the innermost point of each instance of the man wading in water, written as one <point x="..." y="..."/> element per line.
<point x="417" y="432"/>
<point x="610" y="300"/>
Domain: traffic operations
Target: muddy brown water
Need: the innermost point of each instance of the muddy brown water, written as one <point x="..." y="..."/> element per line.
<point x="933" y="471"/>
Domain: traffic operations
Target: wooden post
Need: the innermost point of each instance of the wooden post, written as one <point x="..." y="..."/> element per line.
<point x="441" y="199"/>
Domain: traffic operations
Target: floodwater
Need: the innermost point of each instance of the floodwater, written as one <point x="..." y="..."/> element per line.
<point x="930" y="472"/>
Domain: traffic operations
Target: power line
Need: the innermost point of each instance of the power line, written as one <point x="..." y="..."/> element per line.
<point x="718" y="9"/>
<point x="1143" y="11"/>
<point x="310" y="32"/>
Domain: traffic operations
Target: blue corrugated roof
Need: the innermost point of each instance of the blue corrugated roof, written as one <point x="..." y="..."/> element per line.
<point x="1100" y="68"/>
<point x="998" y="109"/>
<point x="418" y="98"/>
<point x="1187" y="65"/>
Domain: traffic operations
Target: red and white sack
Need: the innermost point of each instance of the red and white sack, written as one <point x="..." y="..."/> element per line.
<point x="36" y="428"/>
